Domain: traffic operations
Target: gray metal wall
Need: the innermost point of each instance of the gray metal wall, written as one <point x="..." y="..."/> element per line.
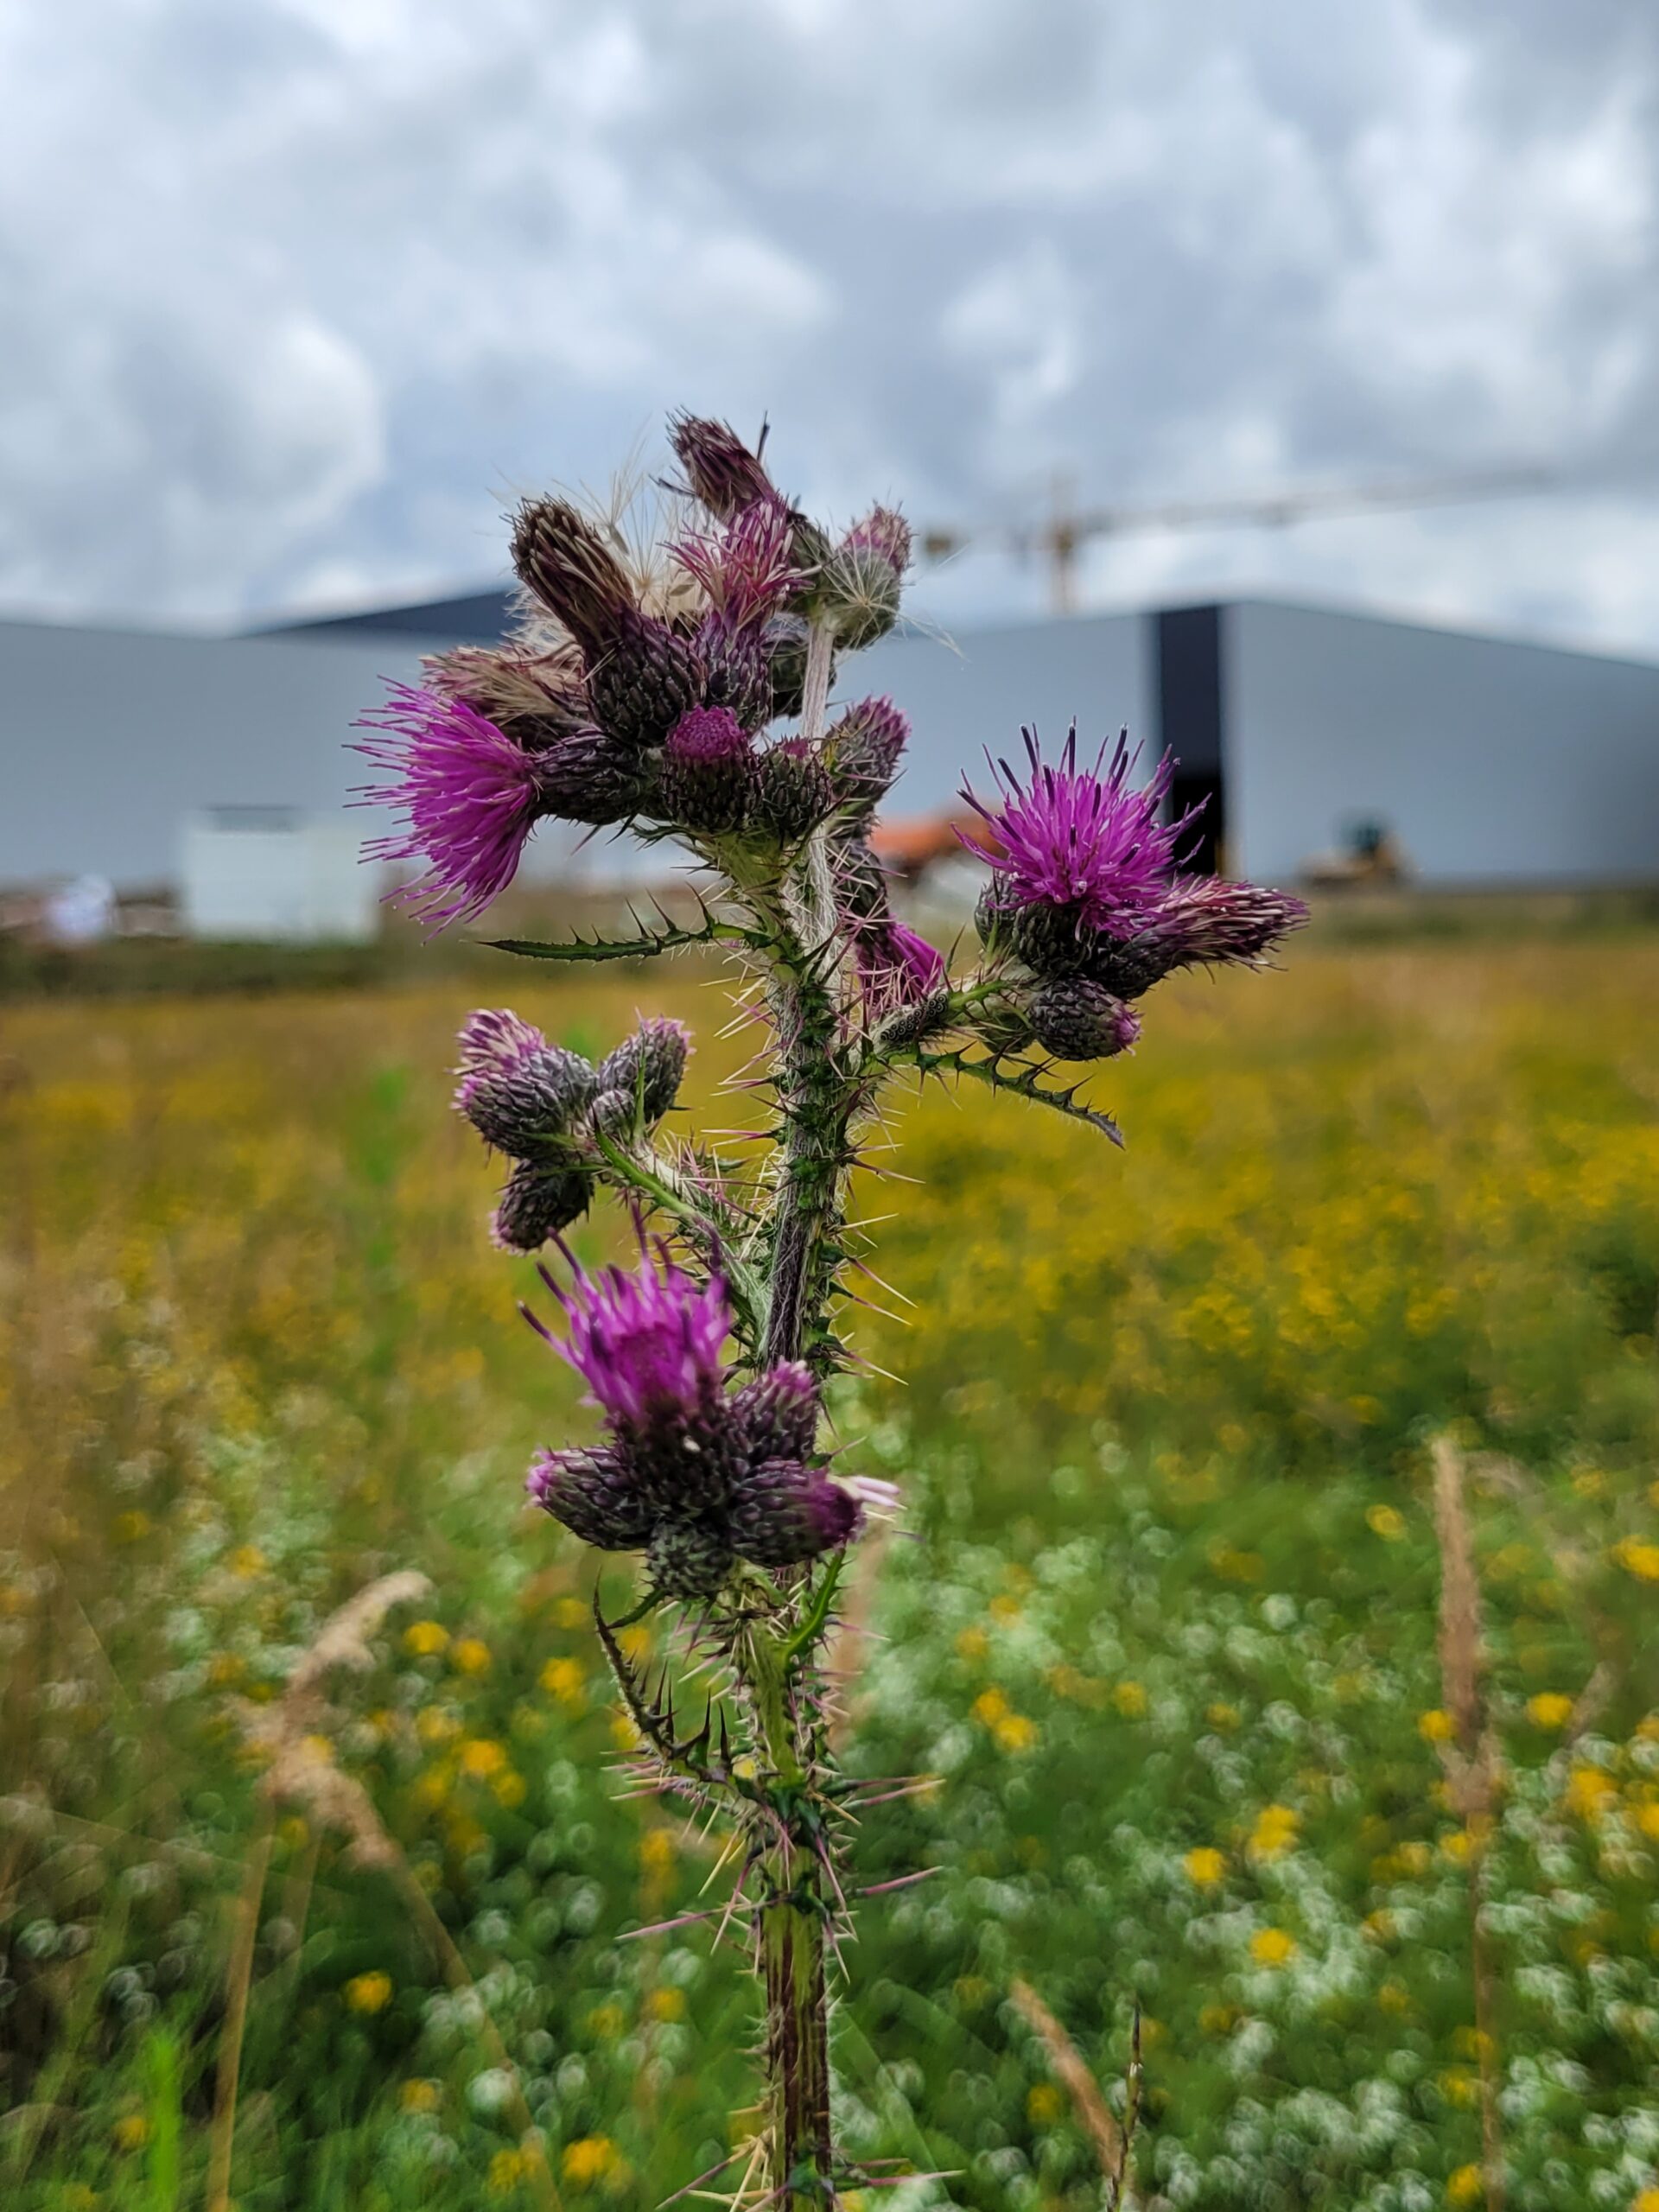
<point x="975" y="693"/>
<point x="108" y="740"/>
<point x="1492" y="761"/>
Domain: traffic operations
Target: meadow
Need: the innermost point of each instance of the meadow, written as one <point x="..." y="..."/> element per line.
<point x="1161" y="1617"/>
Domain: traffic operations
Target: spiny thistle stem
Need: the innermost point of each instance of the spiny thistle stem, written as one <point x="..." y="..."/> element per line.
<point x="815" y="690"/>
<point x="794" y="1914"/>
<point x="640" y="697"/>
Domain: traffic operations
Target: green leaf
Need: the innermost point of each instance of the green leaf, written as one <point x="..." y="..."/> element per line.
<point x="1023" y="1078"/>
<point x="670" y="937"/>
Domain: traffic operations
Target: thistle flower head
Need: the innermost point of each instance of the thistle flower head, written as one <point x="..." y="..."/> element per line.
<point x="794" y="792"/>
<point x="565" y="564"/>
<point x="1080" y="839"/>
<point x="708" y="775"/>
<point x="519" y="1092"/>
<point x="646" y="1344"/>
<point x="778" y="1412"/>
<point x="704" y="734"/>
<point x="533" y="696"/>
<point x="592" y="1494"/>
<point x="469" y="797"/>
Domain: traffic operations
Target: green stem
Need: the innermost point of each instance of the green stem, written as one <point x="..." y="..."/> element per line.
<point x="714" y="1233"/>
<point x="794" y="1915"/>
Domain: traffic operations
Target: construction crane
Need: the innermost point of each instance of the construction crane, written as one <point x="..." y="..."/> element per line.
<point x="1061" y="536"/>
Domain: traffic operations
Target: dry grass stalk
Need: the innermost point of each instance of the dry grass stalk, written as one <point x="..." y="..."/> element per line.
<point x="239" y="1977"/>
<point x="853" y="1631"/>
<point x="1470" y="1762"/>
<point x="1578" y="1565"/>
<point x="1095" y="2116"/>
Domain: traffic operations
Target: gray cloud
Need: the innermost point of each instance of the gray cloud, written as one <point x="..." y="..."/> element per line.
<point x="297" y="292"/>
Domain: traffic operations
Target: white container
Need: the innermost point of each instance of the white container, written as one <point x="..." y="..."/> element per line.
<point x="271" y="873"/>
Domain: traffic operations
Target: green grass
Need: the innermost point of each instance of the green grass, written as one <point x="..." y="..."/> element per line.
<point x="1166" y="1586"/>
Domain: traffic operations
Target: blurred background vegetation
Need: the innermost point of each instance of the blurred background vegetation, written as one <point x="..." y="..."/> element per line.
<point x="1161" y="1614"/>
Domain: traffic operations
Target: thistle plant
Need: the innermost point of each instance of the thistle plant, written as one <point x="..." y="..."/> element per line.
<point x="685" y="693"/>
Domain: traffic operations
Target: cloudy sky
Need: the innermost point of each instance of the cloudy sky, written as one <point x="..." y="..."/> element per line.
<point x="299" y="293"/>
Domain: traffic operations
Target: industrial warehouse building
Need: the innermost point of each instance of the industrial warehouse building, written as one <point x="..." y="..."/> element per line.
<point x="1490" y="761"/>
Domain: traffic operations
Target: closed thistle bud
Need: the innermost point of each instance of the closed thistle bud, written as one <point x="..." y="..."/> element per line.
<point x="1127" y="967"/>
<point x="646" y="1069"/>
<point x="776" y="1414"/>
<point x="708" y="775"/>
<point x="689" y="1557"/>
<point x="863" y="751"/>
<point x="736" y="673"/>
<point x="857" y="593"/>
<point x="522" y="1112"/>
<point x="517" y="1090"/>
<point x="645" y="678"/>
<point x="782" y="1513"/>
<point x="585" y="775"/>
<point x="536" y="1203"/>
<point x="591" y="1492"/>
<point x="794" y="792"/>
<point x="720" y="468"/>
<point x="885" y="532"/>
<point x="1077" y="1020"/>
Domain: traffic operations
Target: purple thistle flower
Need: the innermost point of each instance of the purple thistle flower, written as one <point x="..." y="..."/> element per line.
<point x="519" y="1091"/>
<point x="1080" y="840"/>
<point x="470" y="797"/>
<point x="647" y="1345"/>
<point x="708" y="774"/>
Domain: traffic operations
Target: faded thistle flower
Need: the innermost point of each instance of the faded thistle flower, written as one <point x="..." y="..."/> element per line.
<point x="699" y="1471"/>
<point x="641" y="675"/>
<point x="539" y="1103"/>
